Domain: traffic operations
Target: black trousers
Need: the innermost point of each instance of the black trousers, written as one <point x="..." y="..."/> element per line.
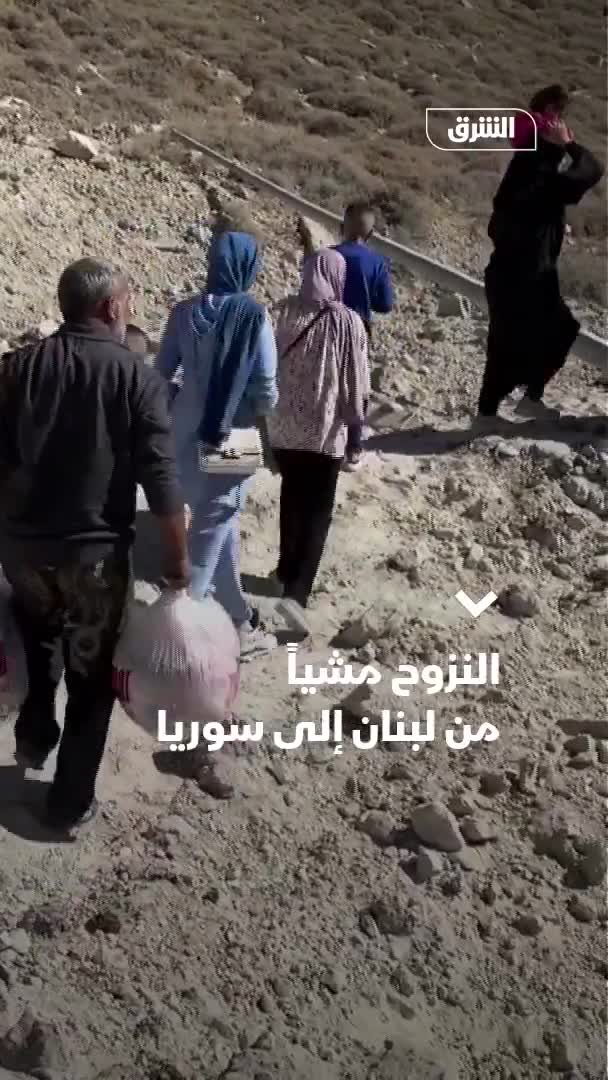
<point x="71" y="614"/>
<point x="354" y="442"/>
<point x="530" y="334"/>
<point x="308" y="494"/>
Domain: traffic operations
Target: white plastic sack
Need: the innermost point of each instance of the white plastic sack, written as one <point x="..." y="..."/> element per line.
<point x="13" y="666"/>
<point x="179" y="655"/>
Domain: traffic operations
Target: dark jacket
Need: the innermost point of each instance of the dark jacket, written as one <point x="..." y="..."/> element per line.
<point x="82" y="421"/>
<point x="528" y="222"/>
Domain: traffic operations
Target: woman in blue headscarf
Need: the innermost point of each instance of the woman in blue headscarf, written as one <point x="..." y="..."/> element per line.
<point x="224" y="343"/>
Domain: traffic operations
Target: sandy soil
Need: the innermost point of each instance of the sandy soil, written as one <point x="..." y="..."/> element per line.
<point x="322" y="924"/>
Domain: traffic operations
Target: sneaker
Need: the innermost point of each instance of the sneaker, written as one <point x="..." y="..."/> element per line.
<point x="353" y="461"/>
<point x="31" y="757"/>
<point x="60" y="821"/>
<point x="255" y="640"/>
<point x="294" y="615"/>
<point x="536" y="410"/>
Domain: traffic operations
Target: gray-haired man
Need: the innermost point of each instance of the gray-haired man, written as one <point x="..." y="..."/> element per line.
<point x="82" y="421"/>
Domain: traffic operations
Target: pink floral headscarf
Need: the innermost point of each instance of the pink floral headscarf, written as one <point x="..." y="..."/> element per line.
<point x="524" y="128"/>
<point x="323" y="277"/>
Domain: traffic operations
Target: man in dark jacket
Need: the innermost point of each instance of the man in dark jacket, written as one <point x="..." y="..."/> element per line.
<point x="82" y="421"/>
<point x="531" y="329"/>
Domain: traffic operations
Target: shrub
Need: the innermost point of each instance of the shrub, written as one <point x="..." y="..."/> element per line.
<point x="237" y="75"/>
<point x="330" y="124"/>
<point x="278" y="108"/>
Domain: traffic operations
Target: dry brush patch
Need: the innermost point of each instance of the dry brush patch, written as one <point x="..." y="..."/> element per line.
<point x="327" y="99"/>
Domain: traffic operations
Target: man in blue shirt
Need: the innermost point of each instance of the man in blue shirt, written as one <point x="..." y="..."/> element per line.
<point x="368" y="279"/>
<point x="368" y="289"/>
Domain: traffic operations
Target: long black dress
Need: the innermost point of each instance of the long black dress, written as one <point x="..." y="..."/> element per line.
<point x="531" y="329"/>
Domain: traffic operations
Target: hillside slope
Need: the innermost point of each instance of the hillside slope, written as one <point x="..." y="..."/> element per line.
<point x="329" y="99"/>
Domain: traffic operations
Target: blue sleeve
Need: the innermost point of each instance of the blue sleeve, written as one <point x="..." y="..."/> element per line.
<point x="169" y="359"/>
<point x="262" y="391"/>
<point x="382" y="297"/>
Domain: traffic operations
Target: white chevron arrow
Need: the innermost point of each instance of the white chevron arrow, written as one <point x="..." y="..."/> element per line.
<point x="475" y="609"/>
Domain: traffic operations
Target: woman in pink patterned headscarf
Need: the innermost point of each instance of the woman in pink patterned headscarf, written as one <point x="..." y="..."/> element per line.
<point x="547" y="109"/>
<point x="323" y="379"/>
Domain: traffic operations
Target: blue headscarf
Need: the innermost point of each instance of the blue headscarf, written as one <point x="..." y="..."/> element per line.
<point x="233" y="267"/>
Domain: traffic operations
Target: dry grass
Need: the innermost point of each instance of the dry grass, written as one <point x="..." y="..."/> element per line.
<point x="327" y="99"/>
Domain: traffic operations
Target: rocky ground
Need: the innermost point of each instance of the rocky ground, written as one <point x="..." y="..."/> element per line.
<point x="369" y="915"/>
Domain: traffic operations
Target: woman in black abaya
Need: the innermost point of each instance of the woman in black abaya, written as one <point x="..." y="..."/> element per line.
<point x="531" y="328"/>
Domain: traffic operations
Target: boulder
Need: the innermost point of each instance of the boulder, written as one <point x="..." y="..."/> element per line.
<point x="314" y="236"/>
<point x="557" y="456"/>
<point x="437" y="827"/>
<point x="518" y="602"/>
<point x="77" y="146"/>
<point x="375" y="623"/>
<point x="577" y="489"/>
<point x="379" y="826"/>
<point x="372" y="701"/>
<point x="428" y="864"/>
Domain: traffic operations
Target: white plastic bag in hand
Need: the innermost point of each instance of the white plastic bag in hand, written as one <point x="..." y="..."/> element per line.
<point x="13" y="666"/>
<point x="180" y="655"/>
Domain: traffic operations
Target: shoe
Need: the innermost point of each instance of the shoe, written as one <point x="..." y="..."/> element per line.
<point x="276" y="584"/>
<point x="60" y="821"/>
<point x="353" y="461"/>
<point x="536" y="410"/>
<point x="490" y="425"/>
<point x="255" y="640"/>
<point x="294" y="615"/>
<point x="481" y="424"/>
<point x="32" y="757"/>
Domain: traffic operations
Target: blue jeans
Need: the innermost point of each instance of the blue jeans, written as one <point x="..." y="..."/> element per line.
<point x="215" y="543"/>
